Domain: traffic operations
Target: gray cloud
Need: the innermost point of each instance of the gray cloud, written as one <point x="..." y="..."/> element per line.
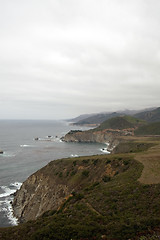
<point x="62" y="58"/>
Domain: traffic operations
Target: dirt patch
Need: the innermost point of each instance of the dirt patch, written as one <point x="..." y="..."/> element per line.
<point x="151" y="161"/>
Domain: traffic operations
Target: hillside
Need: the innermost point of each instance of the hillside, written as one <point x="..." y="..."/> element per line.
<point x="97" y="118"/>
<point x="102" y="198"/>
<point x="80" y="117"/>
<point x="149" y="129"/>
<point x="120" y="123"/>
<point x="108" y="131"/>
<point x="101" y="117"/>
<point x="149" y="116"/>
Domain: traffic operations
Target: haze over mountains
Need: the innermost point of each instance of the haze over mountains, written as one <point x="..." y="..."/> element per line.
<point x="149" y="115"/>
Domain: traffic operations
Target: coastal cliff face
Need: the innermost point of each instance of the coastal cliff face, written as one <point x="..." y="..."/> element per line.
<point x="87" y="136"/>
<point x="52" y="185"/>
<point x="109" y="136"/>
<point x="38" y="194"/>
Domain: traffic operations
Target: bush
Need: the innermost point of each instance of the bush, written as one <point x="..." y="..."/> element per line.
<point x="106" y="178"/>
<point x="95" y="162"/>
<point x="60" y="174"/>
<point x="126" y="162"/>
<point x="85" y="161"/>
<point x="74" y="163"/>
<point x="108" y="161"/>
<point x="73" y="173"/>
<point x="85" y="173"/>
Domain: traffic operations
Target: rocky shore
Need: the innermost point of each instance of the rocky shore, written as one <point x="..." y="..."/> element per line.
<point x="110" y="137"/>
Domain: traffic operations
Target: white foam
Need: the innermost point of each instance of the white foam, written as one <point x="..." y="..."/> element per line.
<point x="9" y="212"/>
<point x="49" y="137"/>
<point x="104" y="150"/>
<point x="5" y="154"/>
<point x="16" y="184"/>
<point x="7" y="191"/>
<point x="5" y="204"/>
<point x="74" y="155"/>
<point x="25" y="145"/>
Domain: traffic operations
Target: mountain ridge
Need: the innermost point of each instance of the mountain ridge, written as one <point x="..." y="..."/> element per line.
<point x="98" y="118"/>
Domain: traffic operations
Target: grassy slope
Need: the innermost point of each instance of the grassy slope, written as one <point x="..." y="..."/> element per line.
<point x="120" y="123"/>
<point x="118" y="207"/>
<point x="149" y="129"/>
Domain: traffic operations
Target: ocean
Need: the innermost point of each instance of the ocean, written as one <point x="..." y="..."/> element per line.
<point x="23" y="155"/>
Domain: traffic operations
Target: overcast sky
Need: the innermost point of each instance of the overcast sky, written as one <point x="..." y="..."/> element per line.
<point x="63" y="58"/>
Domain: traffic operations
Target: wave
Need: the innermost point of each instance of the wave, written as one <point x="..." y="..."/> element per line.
<point x="5" y="154"/>
<point x="104" y="150"/>
<point x="16" y="184"/>
<point x="74" y="155"/>
<point x="9" y="213"/>
<point x="26" y="145"/>
<point x="48" y="137"/>
<point x="7" y="191"/>
<point x="6" y="199"/>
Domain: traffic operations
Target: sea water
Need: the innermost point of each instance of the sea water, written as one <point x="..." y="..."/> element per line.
<point x="23" y="155"/>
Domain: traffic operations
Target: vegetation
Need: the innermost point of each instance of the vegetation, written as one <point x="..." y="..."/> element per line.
<point x="149" y="129"/>
<point x="120" y="123"/>
<point x="132" y="146"/>
<point x="97" y="118"/>
<point x="110" y="203"/>
<point x="150" y="116"/>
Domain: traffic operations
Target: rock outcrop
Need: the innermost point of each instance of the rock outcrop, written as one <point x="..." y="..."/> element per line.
<point x="50" y="187"/>
<point x="109" y="136"/>
<point x="38" y="194"/>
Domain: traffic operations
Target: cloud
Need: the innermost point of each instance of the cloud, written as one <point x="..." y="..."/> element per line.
<point x="63" y="58"/>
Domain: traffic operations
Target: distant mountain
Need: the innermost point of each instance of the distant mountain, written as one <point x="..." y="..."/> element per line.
<point x="149" y="129"/>
<point x="120" y="123"/>
<point x="149" y="116"/>
<point x="80" y="117"/>
<point x="97" y="118"/>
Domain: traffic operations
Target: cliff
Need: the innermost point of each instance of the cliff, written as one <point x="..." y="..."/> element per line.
<point x="49" y="187"/>
<point x="87" y="136"/>
<point x="110" y="131"/>
<point x="110" y="136"/>
<point x="37" y="195"/>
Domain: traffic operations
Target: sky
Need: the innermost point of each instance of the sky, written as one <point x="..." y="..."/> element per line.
<point x="63" y="58"/>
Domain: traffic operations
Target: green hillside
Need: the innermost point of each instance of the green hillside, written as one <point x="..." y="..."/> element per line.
<point x="150" y="116"/>
<point x="149" y="129"/>
<point x="120" y="123"/>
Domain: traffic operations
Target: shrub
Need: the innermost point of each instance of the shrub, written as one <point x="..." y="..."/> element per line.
<point x="95" y="162"/>
<point x="73" y="173"/>
<point x="126" y="162"/>
<point x="106" y="178"/>
<point x="85" y="161"/>
<point x="108" y="161"/>
<point x="74" y="163"/>
<point x="85" y="173"/>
